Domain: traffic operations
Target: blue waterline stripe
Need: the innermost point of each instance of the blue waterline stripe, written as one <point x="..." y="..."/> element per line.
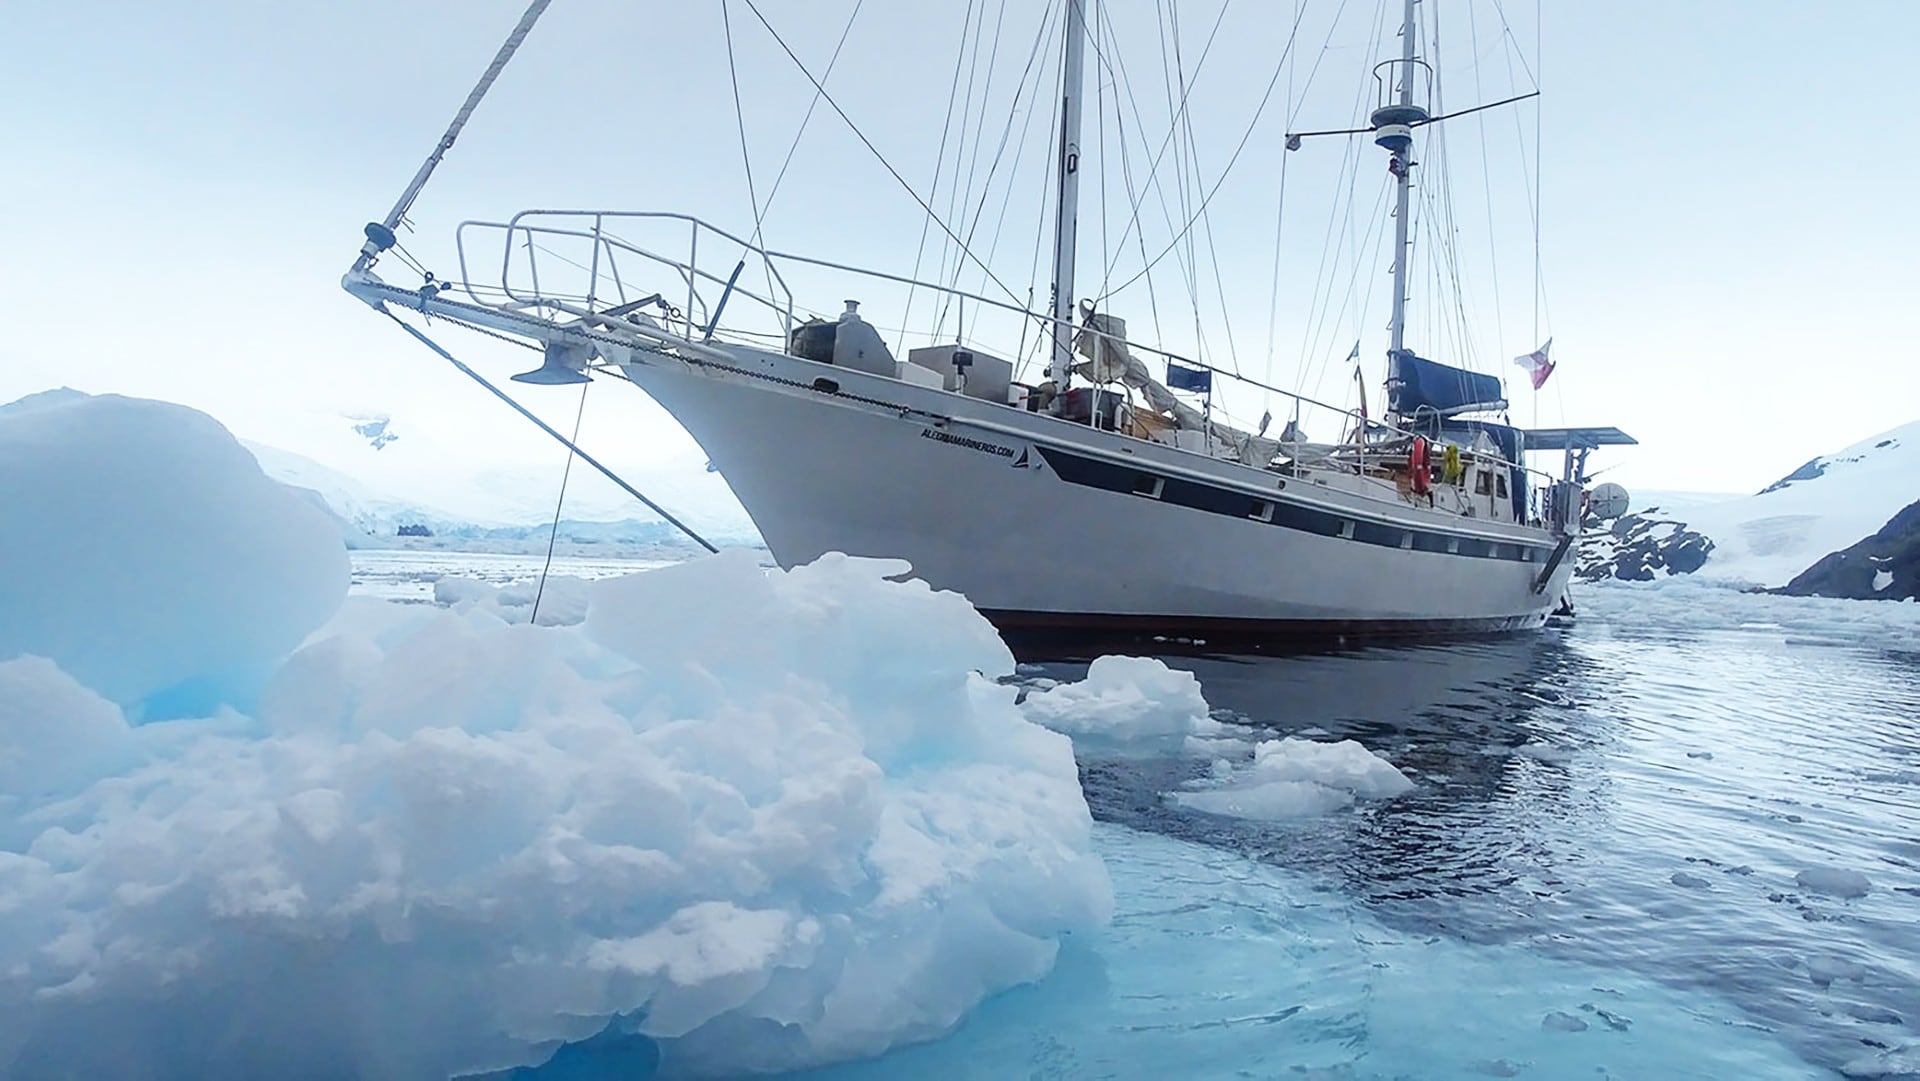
<point x="1128" y="479"/>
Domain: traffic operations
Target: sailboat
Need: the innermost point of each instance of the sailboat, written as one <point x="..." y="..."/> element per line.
<point x="1094" y="502"/>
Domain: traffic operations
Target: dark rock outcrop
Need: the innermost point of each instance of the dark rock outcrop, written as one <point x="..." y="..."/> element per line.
<point x="1885" y="566"/>
<point x="1641" y="547"/>
<point x="1809" y="471"/>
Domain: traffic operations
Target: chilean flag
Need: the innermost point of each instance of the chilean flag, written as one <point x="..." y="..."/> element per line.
<point x="1537" y="364"/>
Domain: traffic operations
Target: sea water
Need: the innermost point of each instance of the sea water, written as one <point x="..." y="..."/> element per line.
<point x="1676" y="839"/>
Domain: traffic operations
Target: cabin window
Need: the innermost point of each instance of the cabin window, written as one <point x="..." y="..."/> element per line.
<point x="1483" y="483"/>
<point x="1148" y="485"/>
<point x="1500" y="485"/>
<point x="1262" y="511"/>
<point x="1346" y="529"/>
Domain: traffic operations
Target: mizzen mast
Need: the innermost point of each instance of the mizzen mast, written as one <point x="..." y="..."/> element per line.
<point x="1393" y="123"/>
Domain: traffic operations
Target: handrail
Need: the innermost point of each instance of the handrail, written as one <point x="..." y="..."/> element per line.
<point x="689" y="271"/>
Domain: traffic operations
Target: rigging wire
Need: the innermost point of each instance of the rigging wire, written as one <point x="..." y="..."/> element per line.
<point x="1279" y="226"/>
<point x="1044" y="339"/>
<point x="553" y="535"/>
<point x="956" y="203"/>
<point x="1175" y="114"/>
<point x="442" y="353"/>
<point x="1044" y="33"/>
<point x="811" y="106"/>
<point x="1185" y="168"/>
<point x="1340" y="218"/>
<point x="999" y="153"/>
<point x="939" y="170"/>
<point x="1486" y="174"/>
<point x="746" y="159"/>
<point x="1115" y="63"/>
<point x="1265" y="96"/>
<point x="875" y="151"/>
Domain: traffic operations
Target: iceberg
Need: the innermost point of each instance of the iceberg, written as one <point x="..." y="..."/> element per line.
<point x="715" y="818"/>
<point x="149" y="558"/>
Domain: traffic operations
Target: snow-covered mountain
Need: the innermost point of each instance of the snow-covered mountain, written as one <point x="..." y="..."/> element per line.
<point x="1766" y="539"/>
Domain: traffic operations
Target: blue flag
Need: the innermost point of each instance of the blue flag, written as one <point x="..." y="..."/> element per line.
<point x="1196" y="379"/>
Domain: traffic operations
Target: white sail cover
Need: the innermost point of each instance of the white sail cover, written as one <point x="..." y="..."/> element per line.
<point x="1102" y="339"/>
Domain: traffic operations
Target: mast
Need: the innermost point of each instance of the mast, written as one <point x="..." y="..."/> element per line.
<point x="1066" y="211"/>
<point x="1393" y="124"/>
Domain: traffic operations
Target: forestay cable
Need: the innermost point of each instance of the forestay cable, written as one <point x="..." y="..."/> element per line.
<point x="656" y="508"/>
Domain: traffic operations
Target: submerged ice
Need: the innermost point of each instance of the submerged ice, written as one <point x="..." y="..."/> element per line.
<point x="732" y="819"/>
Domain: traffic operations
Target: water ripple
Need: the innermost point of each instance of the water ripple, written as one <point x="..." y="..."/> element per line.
<point x="1690" y="785"/>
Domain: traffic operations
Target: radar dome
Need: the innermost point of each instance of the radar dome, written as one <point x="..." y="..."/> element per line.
<point x="1607" y="501"/>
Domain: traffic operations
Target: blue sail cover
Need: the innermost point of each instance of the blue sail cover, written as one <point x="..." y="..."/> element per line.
<point x="1414" y="383"/>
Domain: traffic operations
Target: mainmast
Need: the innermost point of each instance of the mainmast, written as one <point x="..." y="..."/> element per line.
<point x="1066" y="211"/>
<point x="1393" y="124"/>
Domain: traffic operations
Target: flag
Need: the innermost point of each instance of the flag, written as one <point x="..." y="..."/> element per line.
<point x="1195" y="379"/>
<point x="1537" y="364"/>
<point x="1360" y="379"/>
<point x="1266" y="418"/>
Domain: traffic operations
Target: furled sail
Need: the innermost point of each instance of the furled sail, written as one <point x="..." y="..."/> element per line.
<point x="1415" y="385"/>
<point x="1102" y="339"/>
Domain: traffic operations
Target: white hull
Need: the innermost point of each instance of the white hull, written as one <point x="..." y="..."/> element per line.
<point x="980" y="498"/>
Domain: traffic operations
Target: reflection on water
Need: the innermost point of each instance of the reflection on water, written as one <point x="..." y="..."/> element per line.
<point x="1641" y="791"/>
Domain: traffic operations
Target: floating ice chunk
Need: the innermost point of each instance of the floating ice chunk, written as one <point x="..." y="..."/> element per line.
<point x="740" y="820"/>
<point x="1834" y="882"/>
<point x="1893" y="1063"/>
<point x="1823" y="970"/>
<point x="148" y="556"/>
<point x="1125" y="698"/>
<point x="1558" y="1021"/>
<point x="454" y="589"/>
<point x="1345" y="765"/>
<point x="560" y="602"/>
<point x="1291" y="778"/>
<point x="1271" y="801"/>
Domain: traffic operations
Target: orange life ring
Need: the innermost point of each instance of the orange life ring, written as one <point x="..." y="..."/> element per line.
<point x="1420" y="472"/>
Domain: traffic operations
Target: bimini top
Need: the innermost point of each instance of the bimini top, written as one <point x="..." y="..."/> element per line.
<point x="1577" y="438"/>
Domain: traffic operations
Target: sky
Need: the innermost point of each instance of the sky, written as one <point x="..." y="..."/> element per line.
<point x="1723" y="252"/>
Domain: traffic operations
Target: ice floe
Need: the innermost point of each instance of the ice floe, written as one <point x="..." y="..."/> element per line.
<point x="1124" y="699"/>
<point x="1291" y="778"/>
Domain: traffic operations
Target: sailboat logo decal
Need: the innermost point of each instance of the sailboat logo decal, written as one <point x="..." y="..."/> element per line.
<point x="1021" y="462"/>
